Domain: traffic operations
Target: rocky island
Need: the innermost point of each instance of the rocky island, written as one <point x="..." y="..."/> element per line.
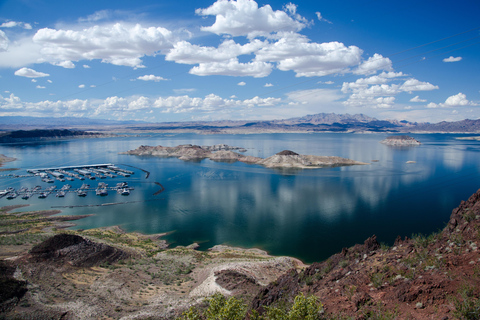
<point x="283" y="159"/>
<point x="400" y="141"/>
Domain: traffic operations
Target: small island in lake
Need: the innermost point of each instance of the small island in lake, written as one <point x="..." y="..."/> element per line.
<point x="284" y="159"/>
<point x="400" y="141"/>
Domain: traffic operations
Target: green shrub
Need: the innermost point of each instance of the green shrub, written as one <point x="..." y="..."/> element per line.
<point x="221" y="308"/>
<point x="305" y="308"/>
<point x="467" y="306"/>
<point x="377" y="279"/>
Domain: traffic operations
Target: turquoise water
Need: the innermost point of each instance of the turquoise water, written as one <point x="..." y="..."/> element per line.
<point x="308" y="214"/>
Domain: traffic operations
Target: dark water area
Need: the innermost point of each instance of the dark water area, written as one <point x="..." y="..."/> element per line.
<point x="309" y="214"/>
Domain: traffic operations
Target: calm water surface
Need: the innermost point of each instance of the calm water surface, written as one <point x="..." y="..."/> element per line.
<point x="309" y="214"/>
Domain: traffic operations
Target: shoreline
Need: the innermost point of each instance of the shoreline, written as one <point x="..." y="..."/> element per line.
<point x="153" y="279"/>
<point x="59" y="220"/>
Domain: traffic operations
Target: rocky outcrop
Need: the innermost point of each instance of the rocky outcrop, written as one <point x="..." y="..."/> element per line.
<point x="230" y="156"/>
<point x="11" y="289"/>
<point x="236" y="282"/>
<point x="289" y="159"/>
<point x="187" y="151"/>
<point x="284" y="289"/>
<point x="223" y="147"/>
<point x="76" y="251"/>
<point x="283" y="159"/>
<point x="400" y="141"/>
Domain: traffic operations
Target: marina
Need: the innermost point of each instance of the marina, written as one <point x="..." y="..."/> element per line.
<point x="101" y="190"/>
<point x="71" y="173"/>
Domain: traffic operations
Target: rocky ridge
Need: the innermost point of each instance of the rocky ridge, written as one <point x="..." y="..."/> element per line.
<point x="76" y="251"/>
<point x="283" y="159"/>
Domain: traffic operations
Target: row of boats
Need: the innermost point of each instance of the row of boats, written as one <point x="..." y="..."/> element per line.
<point x="91" y="173"/>
<point x="101" y="190"/>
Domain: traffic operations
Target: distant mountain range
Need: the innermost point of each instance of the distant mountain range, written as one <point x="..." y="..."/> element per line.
<point x="321" y="122"/>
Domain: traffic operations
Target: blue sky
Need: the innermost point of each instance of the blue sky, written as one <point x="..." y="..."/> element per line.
<point x="229" y="60"/>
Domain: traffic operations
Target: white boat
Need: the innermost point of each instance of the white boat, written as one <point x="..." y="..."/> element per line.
<point x="12" y="195"/>
<point x="101" y="192"/>
<point x="81" y="193"/>
<point x="27" y="195"/>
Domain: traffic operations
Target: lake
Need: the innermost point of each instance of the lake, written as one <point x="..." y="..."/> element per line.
<point x="309" y="214"/>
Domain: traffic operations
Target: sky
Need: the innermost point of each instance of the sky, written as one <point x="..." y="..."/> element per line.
<point x="163" y="61"/>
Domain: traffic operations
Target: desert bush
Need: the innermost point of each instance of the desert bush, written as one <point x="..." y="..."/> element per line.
<point x="467" y="305"/>
<point x="221" y="308"/>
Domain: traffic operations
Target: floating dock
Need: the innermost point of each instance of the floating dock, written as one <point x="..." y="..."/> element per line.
<point x="80" y="172"/>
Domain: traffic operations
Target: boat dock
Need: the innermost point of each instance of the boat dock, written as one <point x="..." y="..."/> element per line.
<point x="101" y="190"/>
<point x="72" y="173"/>
<point x="82" y="172"/>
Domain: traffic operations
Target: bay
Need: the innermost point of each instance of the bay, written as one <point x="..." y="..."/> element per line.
<point x="308" y="214"/>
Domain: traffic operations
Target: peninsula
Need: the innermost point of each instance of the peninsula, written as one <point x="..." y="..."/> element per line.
<point x="47" y="134"/>
<point x="283" y="159"/>
<point x="4" y="158"/>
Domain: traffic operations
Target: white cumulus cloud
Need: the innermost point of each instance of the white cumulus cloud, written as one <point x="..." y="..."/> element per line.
<point x="151" y="77"/>
<point x="458" y="100"/>
<point x="373" y="64"/>
<point x="417" y="99"/>
<point x="30" y="73"/>
<point x="374" y="92"/>
<point x="233" y="67"/>
<point x="245" y="18"/>
<point x="130" y="107"/>
<point x="3" y="41"/>
<point x="295" y="52"/>
<point x="185" y="52"/>
<point x="118" y="44"/>
<point x="12" y="24"/>
<point x="452" y="59"/>
<point x="416" y="85"/>
<point x="65" y="64"/>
